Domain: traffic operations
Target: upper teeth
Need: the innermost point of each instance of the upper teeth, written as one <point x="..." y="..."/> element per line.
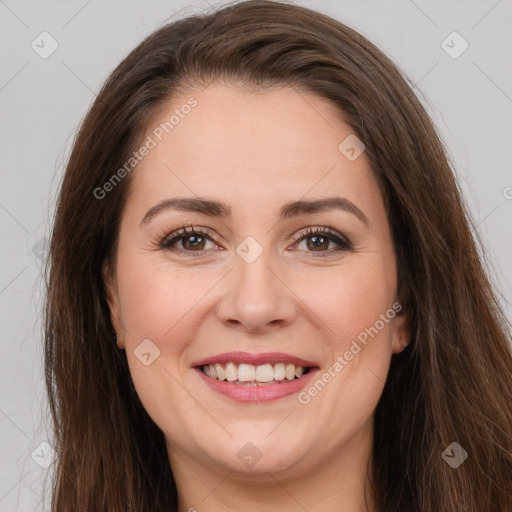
<point x="248" y="372"/>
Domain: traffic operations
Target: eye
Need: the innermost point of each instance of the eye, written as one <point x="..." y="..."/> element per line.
<point x="318" y="239"/>
<point x="191" y="239"/>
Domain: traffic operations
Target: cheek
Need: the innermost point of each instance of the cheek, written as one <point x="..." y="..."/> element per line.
<point x="158" y="305"/>
<point x="155" y="298"/>
<point x="355" y="315"/>
<point x="356" y="342"/>
<point x="348" y="299"/>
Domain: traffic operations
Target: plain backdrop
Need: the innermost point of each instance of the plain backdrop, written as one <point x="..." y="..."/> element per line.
<point x="43" y="100"/>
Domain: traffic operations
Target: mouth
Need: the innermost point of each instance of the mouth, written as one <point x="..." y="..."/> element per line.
<point x="250" y="375"/>
<point x="247" y="377"/>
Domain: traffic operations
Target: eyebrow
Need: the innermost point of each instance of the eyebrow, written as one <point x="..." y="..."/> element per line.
<point x="289" y="210"/>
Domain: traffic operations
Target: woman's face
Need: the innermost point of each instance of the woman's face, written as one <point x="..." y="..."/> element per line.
<point x="261" y="276"/>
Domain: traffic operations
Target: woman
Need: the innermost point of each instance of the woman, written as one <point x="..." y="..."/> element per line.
<point x="264" y="290"/>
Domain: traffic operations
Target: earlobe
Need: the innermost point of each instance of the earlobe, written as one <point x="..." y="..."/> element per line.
<point x="401" y="333"/>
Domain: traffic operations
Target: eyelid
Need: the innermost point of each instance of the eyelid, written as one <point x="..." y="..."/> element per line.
<point x="312" y="230"/>
<point x="344" y="244"/>
<point x="184" y="231"/>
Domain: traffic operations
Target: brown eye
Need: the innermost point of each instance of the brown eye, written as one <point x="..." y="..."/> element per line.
<point x="318" y="240"/>
<point x="192" y="240"/>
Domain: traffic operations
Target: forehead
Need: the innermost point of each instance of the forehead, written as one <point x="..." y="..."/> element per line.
<point x="229" y="142"/>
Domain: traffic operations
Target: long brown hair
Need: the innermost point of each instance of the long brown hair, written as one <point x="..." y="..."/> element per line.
<point x="452" y="384"/>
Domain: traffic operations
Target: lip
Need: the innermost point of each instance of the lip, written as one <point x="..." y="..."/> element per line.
<point x="257" y="393"/>
<point x="239" y="357"/>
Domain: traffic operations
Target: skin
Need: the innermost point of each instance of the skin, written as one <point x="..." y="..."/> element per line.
<point x="255" y="152"/>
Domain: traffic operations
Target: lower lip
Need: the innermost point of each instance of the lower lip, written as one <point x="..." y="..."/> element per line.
<point x="257" y="393"/>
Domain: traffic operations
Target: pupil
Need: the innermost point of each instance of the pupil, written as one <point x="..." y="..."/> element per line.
<point x="318" y="241"/>
<point x="196" y="240"/>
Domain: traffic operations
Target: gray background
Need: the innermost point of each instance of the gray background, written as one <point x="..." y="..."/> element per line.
<point x="43" y="100"/>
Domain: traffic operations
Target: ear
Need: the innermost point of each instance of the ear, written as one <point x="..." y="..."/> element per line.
<point x="112" y="297"/>
<point x="401" y="332"/>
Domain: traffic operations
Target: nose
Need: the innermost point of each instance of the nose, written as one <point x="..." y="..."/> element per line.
<point x="256" y="298"/>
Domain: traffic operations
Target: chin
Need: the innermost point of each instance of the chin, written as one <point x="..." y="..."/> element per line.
<point x="260" y="455"/>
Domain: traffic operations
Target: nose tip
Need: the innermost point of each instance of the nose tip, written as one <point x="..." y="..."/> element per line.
<point x="255" y="299"/>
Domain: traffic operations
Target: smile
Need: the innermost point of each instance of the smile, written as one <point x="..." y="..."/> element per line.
<point x="245" y="377"/>
<point x="250" y="375"/>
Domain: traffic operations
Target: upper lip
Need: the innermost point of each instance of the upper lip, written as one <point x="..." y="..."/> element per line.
<point x="239" y="357"/>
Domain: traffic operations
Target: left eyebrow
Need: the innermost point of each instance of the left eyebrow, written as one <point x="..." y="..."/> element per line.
<point x="296" y="208"/>
<point x="291" y="209"/>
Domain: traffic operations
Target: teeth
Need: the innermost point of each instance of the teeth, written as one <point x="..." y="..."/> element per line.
<point x="279" y="371"/>
<point x="246" y="372"/>
<point x="221" y="373"/>
<point x="250" y="374"/>
<point x="231" y="372"/>
<point x="264" y="373"/>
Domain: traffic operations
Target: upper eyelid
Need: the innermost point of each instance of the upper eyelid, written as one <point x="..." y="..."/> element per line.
<point x="299" y="235"/>
<point x="312" y="230"/>
<point x="189" y="231"/>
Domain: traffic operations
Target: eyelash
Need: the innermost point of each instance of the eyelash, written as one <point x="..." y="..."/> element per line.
<point x="343" y="243"/>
